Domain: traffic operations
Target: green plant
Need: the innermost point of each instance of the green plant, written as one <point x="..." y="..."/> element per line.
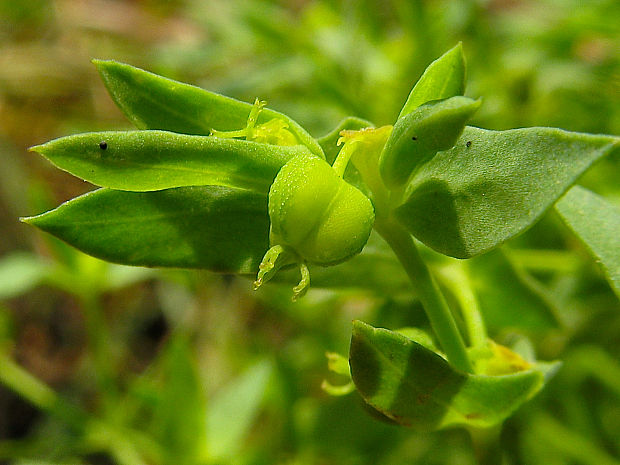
<point x="210" y="182"/>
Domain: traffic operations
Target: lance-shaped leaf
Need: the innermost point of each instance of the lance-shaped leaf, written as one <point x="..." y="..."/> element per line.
<point x="493" y="185"/>
<point x="213" y="227"/>
<point x="419" y="135"/>
<point x="154" y="160"/>
<point x="443" y="78"/>
<point x="416" y="387"/>
<point x="597" y="223"/>
<point x="155" y="102"/>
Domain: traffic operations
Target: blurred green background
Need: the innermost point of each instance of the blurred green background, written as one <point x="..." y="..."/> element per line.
<point x="103" y="364"/>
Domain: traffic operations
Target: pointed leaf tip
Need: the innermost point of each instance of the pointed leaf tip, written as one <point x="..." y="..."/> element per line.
<point x="151" y="101"/>
<point x="419" y="135"/>
<point x="211" y="227"/>
<point x="151" y="160"/>
<point x="493" y="185"/>
<point x="443" y="78"/>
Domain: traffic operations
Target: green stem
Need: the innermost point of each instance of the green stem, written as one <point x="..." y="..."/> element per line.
<point x="560" y="261"/>
<point x="456" y="278"/>
<point x="432" y="299"/>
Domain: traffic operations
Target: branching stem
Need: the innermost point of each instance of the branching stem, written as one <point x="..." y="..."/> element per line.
<point x="432" y="299"/>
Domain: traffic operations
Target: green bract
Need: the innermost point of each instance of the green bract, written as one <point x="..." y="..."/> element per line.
<point x="420" y="134"/>
<point x="443" y="78"/>
<point x="416" y="387"/>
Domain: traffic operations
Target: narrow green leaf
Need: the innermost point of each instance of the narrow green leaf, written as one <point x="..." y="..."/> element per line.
<point x="597" y="223"/>
<point x="416" y="387"/>
<point x="155" y="102"/>
<point x="443" y="78"/>
<point x="419" y="135"/>
<point x="154" y="160"/>
<point x="328" y="141"/>
<point x="233" y="411"/>
<point x="213" y="227"/>
<point x="493" y="185"/>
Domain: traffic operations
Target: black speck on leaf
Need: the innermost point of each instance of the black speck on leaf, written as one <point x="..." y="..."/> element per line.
<point x="414" y="138"/>
<point x="103" y="145"/>
<point x="468" y="144"/>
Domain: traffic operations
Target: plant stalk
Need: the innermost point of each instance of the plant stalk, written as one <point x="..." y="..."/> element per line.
<point x="432" y="299"/>
<point x="456" y="279"/>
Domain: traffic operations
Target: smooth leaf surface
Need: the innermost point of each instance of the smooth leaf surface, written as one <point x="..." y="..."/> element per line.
<point x="416" y="387"/>
<point x="443" y="78"/>
<point x="154" y="102"/>
<point x="597" y="223"/>
<point x="419" y="135"/>
<point x="154" y="160"/>
<point x="493" y="185"/>
<point x="212" y="227"/>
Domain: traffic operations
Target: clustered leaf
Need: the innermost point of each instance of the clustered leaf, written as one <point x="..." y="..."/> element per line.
<point x="443" y="78"/>
<point x="185" y="191"/>
<point x="155" y="102"/>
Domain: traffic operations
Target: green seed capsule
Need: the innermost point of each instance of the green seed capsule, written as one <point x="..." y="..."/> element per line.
<point x="316" y="217"/>
<point x="324" y="219"/>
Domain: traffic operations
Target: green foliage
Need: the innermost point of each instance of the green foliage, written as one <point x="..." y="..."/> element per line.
<point x="597" y="223"/>
<point x="173" y="227"/>
<point x="468" y="191"/>
<point x="442" y="79"/>
<point x="494" y="185"/>
<point x="410" y="384"/>
<point x="179" y="427"/>
<point x="19" y="273"/>
<point x="137" y="360"/>
<point x="420" y="134"/>
<point x="509" y="297"/>
<point x="234" y="411"/>
<point x="154" y="102"/>
<point x="154" y="160"/>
